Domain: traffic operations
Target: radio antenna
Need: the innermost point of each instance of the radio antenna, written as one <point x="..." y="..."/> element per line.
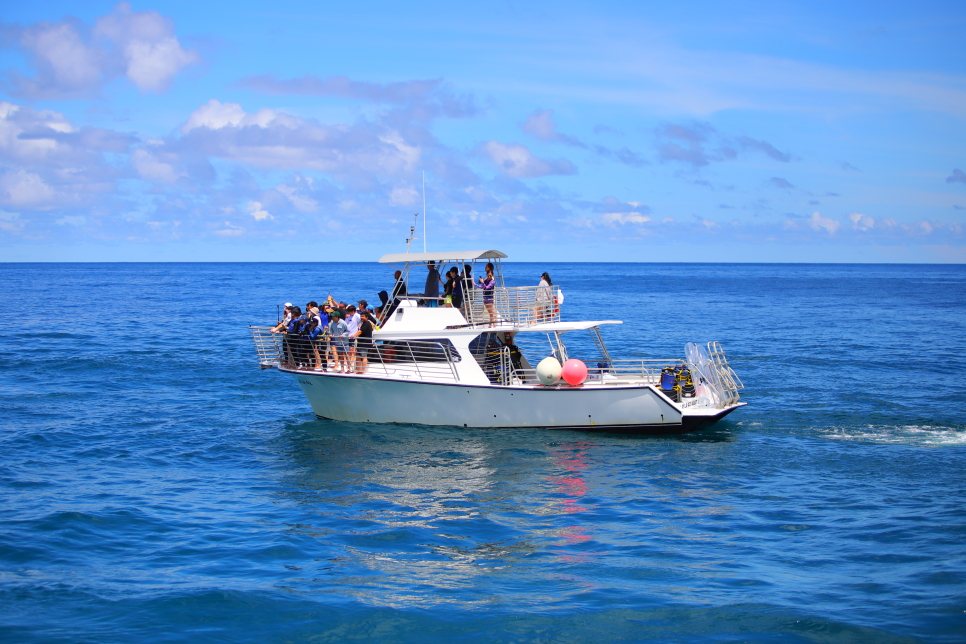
<point x="424" y="211"/>
<point x="412" y="231"/>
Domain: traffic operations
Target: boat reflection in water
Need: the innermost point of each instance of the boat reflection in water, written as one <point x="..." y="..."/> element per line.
<point x="440" y="515"/>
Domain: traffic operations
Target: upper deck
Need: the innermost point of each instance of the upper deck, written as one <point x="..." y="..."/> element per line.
<point x="503" y="306"/>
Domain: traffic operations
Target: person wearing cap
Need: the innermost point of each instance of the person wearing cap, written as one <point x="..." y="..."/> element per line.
<point x="338" y="332"/>
<point x="286" y="318"/>
<point x="364" y="343"/>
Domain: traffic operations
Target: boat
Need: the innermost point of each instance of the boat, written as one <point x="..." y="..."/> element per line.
<point x="483" y="364"/>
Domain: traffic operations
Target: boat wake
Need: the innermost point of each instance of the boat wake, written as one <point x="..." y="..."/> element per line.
<point x="921" y="435"/>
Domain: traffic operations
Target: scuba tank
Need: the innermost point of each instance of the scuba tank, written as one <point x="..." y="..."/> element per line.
<point x="687" y="384"/>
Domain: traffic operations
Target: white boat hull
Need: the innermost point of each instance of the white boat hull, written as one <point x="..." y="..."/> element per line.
<point x="639" y="408"/>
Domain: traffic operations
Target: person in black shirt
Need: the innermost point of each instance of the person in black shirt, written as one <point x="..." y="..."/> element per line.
<point x="398" y="291"/>
<point x="364" y="343"/>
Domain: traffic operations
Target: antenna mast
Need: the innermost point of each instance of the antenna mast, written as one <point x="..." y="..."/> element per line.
<point x="424" y="211"/>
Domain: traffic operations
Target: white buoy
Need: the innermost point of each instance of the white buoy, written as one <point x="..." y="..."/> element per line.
<point x="548" y="371"/>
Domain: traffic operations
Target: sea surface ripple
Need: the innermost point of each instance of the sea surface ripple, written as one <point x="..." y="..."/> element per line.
<point x="157" y="486"/>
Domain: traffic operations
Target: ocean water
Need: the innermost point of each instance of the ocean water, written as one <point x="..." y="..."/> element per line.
<point x="157" y="486"/>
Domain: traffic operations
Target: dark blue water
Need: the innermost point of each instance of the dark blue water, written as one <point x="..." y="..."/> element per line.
<point x="156" y="486"/>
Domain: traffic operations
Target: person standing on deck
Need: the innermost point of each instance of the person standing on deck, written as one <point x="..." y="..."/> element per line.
<point x="488" y="284"/>
<point x="431" y="289"/>
<point x="352" y="322"/>
<point x="338" y="332"/>
<point x="363" y="343"/>
<point x="544" y="298"/>
<point x="398" y="291"/>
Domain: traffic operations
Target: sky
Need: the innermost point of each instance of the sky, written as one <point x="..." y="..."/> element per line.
<point x="553" y="131"/>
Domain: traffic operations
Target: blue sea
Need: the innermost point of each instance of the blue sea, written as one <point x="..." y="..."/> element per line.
<point x="157" y="486"/>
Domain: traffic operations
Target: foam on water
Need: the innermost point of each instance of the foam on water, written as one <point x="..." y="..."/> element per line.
<point x="925" y="436"/>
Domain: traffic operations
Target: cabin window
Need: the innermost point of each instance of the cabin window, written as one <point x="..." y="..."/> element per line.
<point x="431" y="350"/>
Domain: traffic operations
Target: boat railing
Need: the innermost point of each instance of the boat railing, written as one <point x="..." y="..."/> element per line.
<point x="613" y="372"/>
<point x="268" y="346"/>
<point x="429" y="360"/>
<point x="517" y="305"/>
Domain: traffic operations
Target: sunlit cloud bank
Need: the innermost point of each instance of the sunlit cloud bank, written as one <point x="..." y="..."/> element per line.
<point x="328" y="157"/>
<point x="228" y="172"/>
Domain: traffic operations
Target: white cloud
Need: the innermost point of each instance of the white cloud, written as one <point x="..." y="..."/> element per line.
<point x="230" y="230"/>
<point x="517" y="161"/>
<point x="152" y="54"/>
<point x="404" y="196"/>
<point x="16" y="122"/>
<point x="294" y="194"/>
<point x="818" y="222"/>
<point x="861" y="222"/>
<point x="363" y="154"/>
<point x="255" y="209"/>
<point x="215" y="115"/>
<point x="25" y="189"/>
<point x="140" y="45"/>
<point x="541" y="125"/>
<point x="148" y="166"/>
<point x="60" y="53"/>
<point x="624" y="218"/>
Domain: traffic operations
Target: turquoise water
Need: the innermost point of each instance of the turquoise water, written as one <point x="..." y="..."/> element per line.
<point x="156" y="486"/>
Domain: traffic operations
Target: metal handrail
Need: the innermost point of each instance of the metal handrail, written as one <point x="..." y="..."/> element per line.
<point x="517" y="305"/>
<point x="267" y="346"/>
<point x="409" y="359"/>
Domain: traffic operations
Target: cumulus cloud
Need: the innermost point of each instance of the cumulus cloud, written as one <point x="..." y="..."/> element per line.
<point x="215" y="115"/>
<point x="541" y="125"/>
<point x="49" y="162"/>
<point x="861" y="222"/>
<point x="22" y="189"/>
<point x="73" y="60"/>
<point x="277" y="140"/>
<point x="404" y="196"/>
<point x="818" y="222"/>
<point x="254" y="208"/>
<point x="298" y="193"/>
<point x="517" y="161"/>
<point x="145" y="40"/>
<point x="958" y="176"/>
<point x="150" y="168"/>
<point x="624" y="218"/>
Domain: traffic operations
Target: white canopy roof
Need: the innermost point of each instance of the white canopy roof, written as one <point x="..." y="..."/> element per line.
<point x="454" y="256"/>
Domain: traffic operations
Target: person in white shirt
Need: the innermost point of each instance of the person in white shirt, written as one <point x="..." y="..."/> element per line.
<point x="353" y="321"/>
